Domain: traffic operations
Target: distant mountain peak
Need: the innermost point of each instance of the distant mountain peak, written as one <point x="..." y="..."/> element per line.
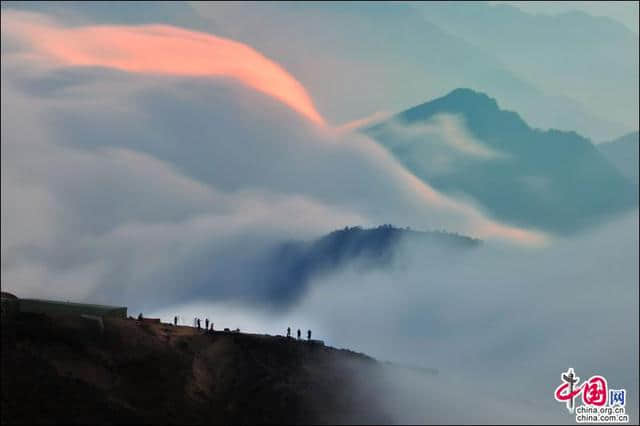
<point x="466" y="94"/>
<point x="480" y="112"/>
<point x="459" y="99"/>
<point x="535" y="172"/>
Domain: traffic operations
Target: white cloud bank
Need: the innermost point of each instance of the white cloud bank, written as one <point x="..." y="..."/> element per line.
<point x="499" y="324"/>
<point x="120" y="186"/>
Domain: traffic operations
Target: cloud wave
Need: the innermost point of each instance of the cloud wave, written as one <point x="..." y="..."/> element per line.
<point x="174" y="187"/>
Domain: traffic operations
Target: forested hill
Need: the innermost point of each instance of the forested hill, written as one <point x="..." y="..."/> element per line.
<point x="300" y="261"/>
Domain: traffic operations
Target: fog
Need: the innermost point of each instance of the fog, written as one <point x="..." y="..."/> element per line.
<point x="149" y="190"/>
<point x="167" y="194"/>
<point x="499" y="323"/>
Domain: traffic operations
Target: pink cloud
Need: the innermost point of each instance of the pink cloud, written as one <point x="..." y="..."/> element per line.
<point x="161" y="49"/>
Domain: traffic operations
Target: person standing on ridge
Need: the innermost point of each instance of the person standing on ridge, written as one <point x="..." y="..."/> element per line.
<point x="298" y="334"/>
<point x="206" y="323"/>
<point x="308" y="334"/>
<point x="288" y="331"/>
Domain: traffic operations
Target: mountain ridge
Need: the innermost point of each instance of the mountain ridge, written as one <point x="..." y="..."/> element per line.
<point x="540" y="178"/>
<point x="623" y="153"/>
<point x="538" y="43"/>
<point x="298" y="263"/>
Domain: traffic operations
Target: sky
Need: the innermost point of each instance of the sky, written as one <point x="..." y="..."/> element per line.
<point x="344" y="53"/>
<point x="155" y="156"/>
<point x="625" y="12"/>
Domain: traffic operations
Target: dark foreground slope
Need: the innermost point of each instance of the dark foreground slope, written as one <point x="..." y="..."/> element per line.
<point x="65" y="371"/>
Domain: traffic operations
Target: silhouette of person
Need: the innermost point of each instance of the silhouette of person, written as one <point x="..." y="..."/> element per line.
<point x="198" y="322"/>
<point x="288" y="331"/>
<point x="206" y="323"/>
<point x="140" y="316"/>
<point x="308" y="334"/>
<point x="298" y="334"/>
<point x="175" y="320"/>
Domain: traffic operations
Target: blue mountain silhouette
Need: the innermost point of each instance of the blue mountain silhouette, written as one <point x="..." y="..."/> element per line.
<point x="552" y="180"/>
<point x="295" y="263"/>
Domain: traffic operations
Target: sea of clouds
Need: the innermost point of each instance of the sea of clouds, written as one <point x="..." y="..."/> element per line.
<point x="167" y="193"/>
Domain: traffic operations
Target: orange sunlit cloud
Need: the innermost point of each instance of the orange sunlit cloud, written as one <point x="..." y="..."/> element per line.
<point x="162" y="49"/>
